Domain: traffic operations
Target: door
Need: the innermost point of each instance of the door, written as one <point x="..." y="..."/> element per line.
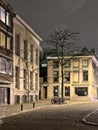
<point x="45" y="92"/>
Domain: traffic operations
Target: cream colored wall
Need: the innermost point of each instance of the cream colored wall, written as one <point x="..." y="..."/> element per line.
<point x="72" y="84"/>
<point x="25" y="34"/>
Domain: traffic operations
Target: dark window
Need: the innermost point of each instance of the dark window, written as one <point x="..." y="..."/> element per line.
<point x="31" y="53"/>
<point x="24" y="78"/>
<point x="85" y="75"/>
<point x="36" y="56"/>
<point x="17" y="85"/>
<point x="25" y="50"/>
<point x="31" y="80"/>
<point x="81" y="91"/>
<point x="55" y="64"/>
<point x="55" y="91"/>
<point x="67" y="91"/>
<point x="55" y="76"/>
<point x="67" y="76"/>
<point x="17" y="44"/>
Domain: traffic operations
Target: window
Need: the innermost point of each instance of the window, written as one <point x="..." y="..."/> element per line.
<point x="25" y="50"/>
<point x="76" y="63"/>
<point x="55" y="64"/>
<point x="2" y="39"/>
<point x="36" y="81"/>
<point x="17" y="85"/>
<point x="85" y="75"/>
<point x="76" y="76"/>
<point x="55" y="76"/>
<point x="67" y="90"/>
<point x="67" y="76"/>
<point x="85" y="63"/>
<point x="17" y="44"/>
<point x="81" y="91"/>
<point x="31" y="53"/>
<point x="2" y="65"/>
<point x="9" y="67"/>
<point x="24" y="78"/>
<point x="8" y="19"/>
<point x="5" y="17"/>
<point x="9" y="43"/>
<point x="55" y="91"/>
<point x="2" y="14"/>
<point x="5" y="66"/>
<point x="31" y="80"/>
<point x="67" y="63"/>
<point x="36" y="55"/>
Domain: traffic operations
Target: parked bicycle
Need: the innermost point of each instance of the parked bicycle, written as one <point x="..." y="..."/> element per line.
<point x="57" y="100"/>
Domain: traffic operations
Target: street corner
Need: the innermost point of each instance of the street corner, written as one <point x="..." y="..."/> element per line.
<point x="91" y="118"/>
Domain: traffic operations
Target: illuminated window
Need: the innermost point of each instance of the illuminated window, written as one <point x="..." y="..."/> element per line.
<point x="9" y="43"/>
<point x="2" y="39"/>
<point x="2" y="14"/>
<point x="76" y="76"/>
<point x="8" y="19"/>
<point x="76" y="64"/>
<point x="85" y="63"/>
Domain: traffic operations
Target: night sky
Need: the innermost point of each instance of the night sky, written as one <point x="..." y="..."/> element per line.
<point x="77" y="15"/>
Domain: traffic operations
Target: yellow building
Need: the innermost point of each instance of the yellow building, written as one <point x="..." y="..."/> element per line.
<point x="80" y="74"/>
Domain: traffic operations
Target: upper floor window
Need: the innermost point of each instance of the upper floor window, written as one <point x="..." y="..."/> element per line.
<point x="8" y="19"/>
<point x="31" y="80"/>
<point x="67" y="63"/>
<point x="76" y="63"/>
<point x="5" y="66"/>
<point x="9" y="43"/>
<point x="85" y="75"/>
<point x="25" y="49"/>
<point x="31" y="53"/>
<point x="2" y="14"/>
<point x="36" y="55"/>
<point x="76" y="76"/>
<point x="55" y="64"/>
<point x="5" y="17"/>
<point x="17" y="44"/>
<point x="55" y="76"/>
<point x="84" y="63"/>
<point x="2" y="40"/>
<point x="67" y="76"/>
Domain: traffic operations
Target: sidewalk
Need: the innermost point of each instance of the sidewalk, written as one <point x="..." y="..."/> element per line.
<point x="7" y="110"/>
<point x="91" y="118"/>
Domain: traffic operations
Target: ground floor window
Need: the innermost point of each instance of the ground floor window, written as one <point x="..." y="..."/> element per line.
<point x="81" y="91"/>
<point x="4" y="95"/>
<point x="67" y="90"/>
<point x="55" y="91"/>
<point x="17" y="99"/>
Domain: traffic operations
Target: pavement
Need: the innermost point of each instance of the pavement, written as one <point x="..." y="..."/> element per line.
<point x="8" y="110"/>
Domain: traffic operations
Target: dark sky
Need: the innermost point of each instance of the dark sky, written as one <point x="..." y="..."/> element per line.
<point x="78" y="15"/>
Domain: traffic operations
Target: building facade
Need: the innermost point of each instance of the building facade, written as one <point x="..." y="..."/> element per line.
<point x="80" y="75"/>
<point x="6" y="52"/>
<point x="25" y="62"/>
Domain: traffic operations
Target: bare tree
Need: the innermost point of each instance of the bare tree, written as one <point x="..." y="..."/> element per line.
<point x="62" y="42"/>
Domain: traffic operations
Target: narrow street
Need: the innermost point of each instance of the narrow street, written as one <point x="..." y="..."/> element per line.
<point x="58" y="117"/>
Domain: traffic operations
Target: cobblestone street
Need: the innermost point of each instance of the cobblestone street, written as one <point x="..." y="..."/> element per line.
<point x="61" y="117"/>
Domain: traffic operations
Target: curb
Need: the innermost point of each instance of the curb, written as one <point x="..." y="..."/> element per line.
<point x="32" y="109"/>
<point x="84" y="120"/>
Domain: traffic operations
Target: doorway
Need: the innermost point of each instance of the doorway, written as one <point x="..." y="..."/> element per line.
<point x="45" y="92"/>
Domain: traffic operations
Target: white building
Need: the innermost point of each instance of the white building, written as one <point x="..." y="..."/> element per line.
<point x="26" y="55"/>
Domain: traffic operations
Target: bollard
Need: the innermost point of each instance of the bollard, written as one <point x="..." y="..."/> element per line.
<point x="33" y="104"/>
<point x="21" y="106"/>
